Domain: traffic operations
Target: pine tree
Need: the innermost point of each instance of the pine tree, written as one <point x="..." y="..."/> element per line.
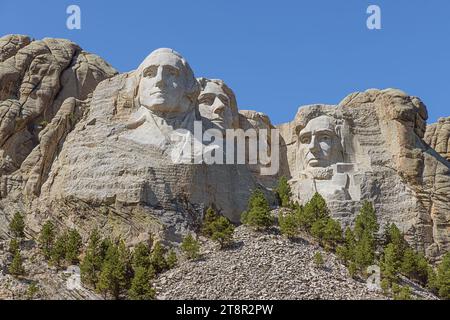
<point x="390" y="263"/>
<point x="171" y="259"/>
<point x="113" y="276"/>
<point x="395" y="236"/>
<point x="401" y="293"/>
<point x="208" y="220"/>
<point x="157" y="258"/>
<point x="288" y="225"/>
<point x="364" y="252"/>
<point x="366" y="222"/>
<point x="443" y="277"/>
<point x="258" y="213"/>
<point x="190" y="247"/>
<point x="47" y="239"/>
<point x="222" y="231"/>
<point x="141" y="256"/>
<point x="14" y="246"/>
<point x="141" y="288"/>
<point x="284" y="192"/>
<point x="318" y="230"/>
<point x="17" y="225"/>
<point x="332" y="233"/>
<point x="16" y="268"/>
<point x="346" y="252"/>
<point x="92" y="262"/>
<point x="58" y="252"/>
<point x="314" y="210"/>
<point x="125" y="258"/>
<point x="73" y="246"/>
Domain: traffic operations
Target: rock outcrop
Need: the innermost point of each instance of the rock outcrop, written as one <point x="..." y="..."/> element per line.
<point x="371" y="147"/>
<point x="437" y="136"/>
<point x="42" y="84"/>
<point x="90" y="148"/>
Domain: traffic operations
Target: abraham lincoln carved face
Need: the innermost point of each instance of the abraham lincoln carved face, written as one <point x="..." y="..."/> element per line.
<point x="319" y="144"/>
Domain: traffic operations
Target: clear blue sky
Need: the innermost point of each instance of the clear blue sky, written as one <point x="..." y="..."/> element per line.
<point x="276" y="55"/>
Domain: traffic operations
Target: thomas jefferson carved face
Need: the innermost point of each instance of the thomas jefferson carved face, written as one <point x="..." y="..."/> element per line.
<point x="319" y="144"/>
<point x="167" y="83"/>
<point x="218" y="103"/>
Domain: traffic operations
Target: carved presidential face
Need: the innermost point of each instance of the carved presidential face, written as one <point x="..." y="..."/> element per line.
<point x="167" y="83"/>
<point x="319" y="144"/>
<point x="217" y="103"/>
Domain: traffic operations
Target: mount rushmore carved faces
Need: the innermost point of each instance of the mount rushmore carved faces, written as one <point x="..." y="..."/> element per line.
<point x="319" y="144"/>
<point x="166" y="96"/>
<point x="217" y="103"/>
<point x="167" y="83"/>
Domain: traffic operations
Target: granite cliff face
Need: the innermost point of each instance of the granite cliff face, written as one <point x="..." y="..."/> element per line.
<point x="437" y="136"/>
<point x="371" y="147"/>
<point x="87" y="147"/>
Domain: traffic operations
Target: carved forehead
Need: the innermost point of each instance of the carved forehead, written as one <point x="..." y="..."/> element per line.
<point x="322" y="123"/>
<point x="163" y="57"/>
<point x="213" y="87"/>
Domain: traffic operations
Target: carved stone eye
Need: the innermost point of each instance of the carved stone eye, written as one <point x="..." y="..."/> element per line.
<point x="305" y="139"/>
<point x="150" y="72"/>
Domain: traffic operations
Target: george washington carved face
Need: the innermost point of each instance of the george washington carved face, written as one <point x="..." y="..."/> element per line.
<point x="167" y="83"/>
<point x="319" y="144"/>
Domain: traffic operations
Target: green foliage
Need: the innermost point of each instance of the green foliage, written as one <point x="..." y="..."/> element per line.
<point x="58" y="252"/>
<point x="73" y="246"/>
<point x="141" y="256"/>
<point x="157" y="258"/>
<point x="401" y="293"/>
<point x="14" y="246"/>
<point x="17" y="225"/>
<point x="190" y="247"/>
<point x="284" y="192"/>
<point x="141" y="288"/>
<point x="222" y="231"/>
<point x="47" y="239"/>
<point x="385" y="286"/>
<point x="208" y="221"/>
<point x="366" y="222"/>
<point x="16" y="267"/>
<point x="93" y="260"/>
<point x="288" y="224"/>
<point x="415" y="266"/>
<point x="258" y="213"/>
<point x="390" y="263"/>
<point x="218" y="228"/>
<point x="332" y="232"/>
<point x="328" y="231"/>
<point x="352" y="269"/>
<point x="114" y="274"/>
<point x="346" y="251"/>
<point x="364" y="252"/>
<point x="442" y="278"/>
<point x="32" y="291"/>
<point x="172" y="259"/>
<point x="360" y="245"/>
<point x="318" y="259"/>
<point x="316" y="209"/>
